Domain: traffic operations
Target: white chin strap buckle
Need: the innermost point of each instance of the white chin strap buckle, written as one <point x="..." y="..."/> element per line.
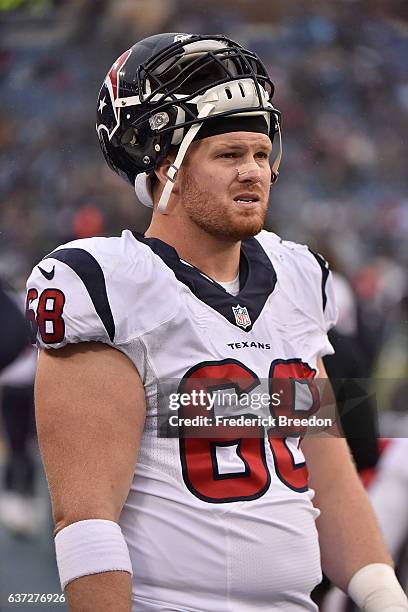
<point x="172" y="173"/>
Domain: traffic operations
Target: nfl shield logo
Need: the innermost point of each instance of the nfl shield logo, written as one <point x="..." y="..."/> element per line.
<point x="241" y="316"/>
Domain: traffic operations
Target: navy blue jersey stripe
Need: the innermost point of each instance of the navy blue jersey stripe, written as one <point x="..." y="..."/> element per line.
<point x="256" y="272"/>
<point x="91" y="274"/>
<point x="325" y="274"/>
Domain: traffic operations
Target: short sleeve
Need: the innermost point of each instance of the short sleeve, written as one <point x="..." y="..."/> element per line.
<point x="110" y="290"/>
<point x="67" y="300"/>
<point x="328" y="301"/>
<point x="321" y="300"/>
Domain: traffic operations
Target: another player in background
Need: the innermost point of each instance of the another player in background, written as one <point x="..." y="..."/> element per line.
<point x="205" y="295"/>
<point x="19" y="511"/>
<point x="13" y="329"/>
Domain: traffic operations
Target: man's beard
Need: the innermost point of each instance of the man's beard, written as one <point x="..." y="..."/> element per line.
<point x="200" y="210"/>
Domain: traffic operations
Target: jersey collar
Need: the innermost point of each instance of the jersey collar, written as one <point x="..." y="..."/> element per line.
<point x="257" y="278"/>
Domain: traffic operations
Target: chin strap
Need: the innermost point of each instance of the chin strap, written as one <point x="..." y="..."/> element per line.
<point x="175" y="166"/>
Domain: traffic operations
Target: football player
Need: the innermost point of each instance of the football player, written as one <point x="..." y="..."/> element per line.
<point x="210" y="300"/>
<point x="13" y="329"/>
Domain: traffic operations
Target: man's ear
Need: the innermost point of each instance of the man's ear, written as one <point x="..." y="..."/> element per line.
<point x="161" y="173"/>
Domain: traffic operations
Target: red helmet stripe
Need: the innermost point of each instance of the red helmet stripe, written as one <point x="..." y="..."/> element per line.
<point x="114" y="72"/>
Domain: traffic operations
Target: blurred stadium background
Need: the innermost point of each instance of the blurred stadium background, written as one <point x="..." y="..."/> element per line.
<point x="341" y="75"/>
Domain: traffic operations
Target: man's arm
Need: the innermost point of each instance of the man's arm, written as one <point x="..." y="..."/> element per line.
<point x="90" y="409"/>
<point x="348" y="531"/>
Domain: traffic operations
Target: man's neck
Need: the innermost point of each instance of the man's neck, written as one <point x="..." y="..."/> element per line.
<point x="216" y="257"/>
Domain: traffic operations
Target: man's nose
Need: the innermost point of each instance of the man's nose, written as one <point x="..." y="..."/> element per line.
<point x="249" y="172"/>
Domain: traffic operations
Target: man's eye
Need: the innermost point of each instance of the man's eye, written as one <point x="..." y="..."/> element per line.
<point x="262" y="155"/>
<point x="229" y="155"/>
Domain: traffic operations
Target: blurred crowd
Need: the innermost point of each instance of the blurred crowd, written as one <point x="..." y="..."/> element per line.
<point x="341" y="80"/>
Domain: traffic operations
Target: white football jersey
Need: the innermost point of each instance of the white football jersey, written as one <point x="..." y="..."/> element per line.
<point x="212" y="524"/>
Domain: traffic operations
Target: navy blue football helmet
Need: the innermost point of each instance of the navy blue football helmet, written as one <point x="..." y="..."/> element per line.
<point x="161" y="91"/>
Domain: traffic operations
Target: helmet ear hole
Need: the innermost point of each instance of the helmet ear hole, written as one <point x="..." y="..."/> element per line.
<point x="130" y="137"/>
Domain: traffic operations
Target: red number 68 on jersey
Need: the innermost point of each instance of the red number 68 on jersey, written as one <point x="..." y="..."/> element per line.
<point x="200" y="456"/>
<point x="48" y="321"/>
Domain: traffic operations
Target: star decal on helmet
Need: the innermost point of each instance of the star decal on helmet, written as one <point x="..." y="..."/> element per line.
<point x="102" y="104"/>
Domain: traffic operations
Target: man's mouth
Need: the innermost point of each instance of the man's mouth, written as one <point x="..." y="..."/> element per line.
<point x="246" y="198"/>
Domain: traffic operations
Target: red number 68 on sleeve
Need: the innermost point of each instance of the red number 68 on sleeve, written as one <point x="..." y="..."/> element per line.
<point x="48" y="321"/>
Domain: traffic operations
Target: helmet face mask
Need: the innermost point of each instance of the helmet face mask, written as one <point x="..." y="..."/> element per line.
<point x="211" y="60"/>
<point x="147" y="106"/>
